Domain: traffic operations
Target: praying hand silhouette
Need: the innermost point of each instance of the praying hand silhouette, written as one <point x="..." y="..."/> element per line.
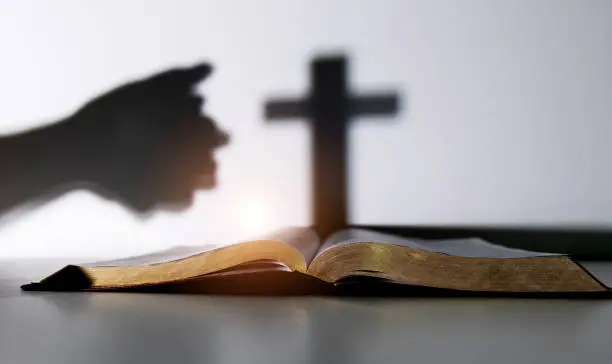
<point x="145" y="145"/>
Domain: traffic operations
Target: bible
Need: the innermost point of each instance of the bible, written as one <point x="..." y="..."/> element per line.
<point x="297" y="260"/>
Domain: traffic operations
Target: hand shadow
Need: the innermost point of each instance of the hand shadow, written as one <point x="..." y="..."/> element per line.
<point x="144" y="144"/>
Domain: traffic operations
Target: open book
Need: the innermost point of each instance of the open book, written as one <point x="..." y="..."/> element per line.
<point x="297" y="258"/>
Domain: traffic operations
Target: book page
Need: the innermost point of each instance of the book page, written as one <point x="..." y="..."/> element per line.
<point x="462" y="247"/>
<point x="159" y="257"/>
<point x="252" y="267"/>
<point x="305" y="240"/>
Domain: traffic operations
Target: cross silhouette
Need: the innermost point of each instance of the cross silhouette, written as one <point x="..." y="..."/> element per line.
<point x="329" y="106"/>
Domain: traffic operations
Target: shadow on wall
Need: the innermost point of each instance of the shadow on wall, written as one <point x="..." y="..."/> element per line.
<point x="330" y="106"/>
<point x="144" y="144"/>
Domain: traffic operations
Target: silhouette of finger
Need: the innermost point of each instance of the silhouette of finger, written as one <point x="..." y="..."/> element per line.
<point x="192" y="75"/>
<point x="181" y="78"/>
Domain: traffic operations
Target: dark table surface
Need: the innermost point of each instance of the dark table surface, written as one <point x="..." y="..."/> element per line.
<point x="43" y="327"/>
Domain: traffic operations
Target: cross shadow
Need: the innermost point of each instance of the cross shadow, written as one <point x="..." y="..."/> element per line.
<point x="329" y="108"/>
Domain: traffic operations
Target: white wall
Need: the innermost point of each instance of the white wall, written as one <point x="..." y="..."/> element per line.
<point x="506" y="122"/>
